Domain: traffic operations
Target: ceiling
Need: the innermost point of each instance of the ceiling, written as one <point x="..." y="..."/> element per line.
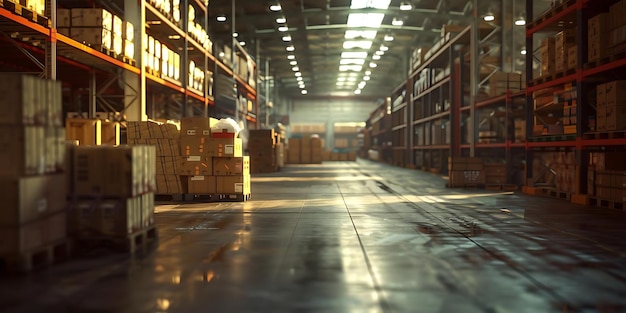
<point x="317" y="29"/>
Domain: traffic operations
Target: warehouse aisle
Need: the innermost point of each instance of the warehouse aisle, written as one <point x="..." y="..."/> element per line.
<point x="352" y="237"/>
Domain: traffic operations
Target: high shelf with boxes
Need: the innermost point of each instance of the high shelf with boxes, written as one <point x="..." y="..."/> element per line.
<point x="399" y="125"/>
<point x="435" y="102"/>
<point x="377" y="137"/>
<point x="574" y="110"/>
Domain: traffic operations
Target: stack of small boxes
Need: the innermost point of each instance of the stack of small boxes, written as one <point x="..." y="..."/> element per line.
<point x="213" y="162"/>
<point x="112" y="191"/>
<point x="465" y="171"/>
<point x="564" y="40"/>
<point x="262" y="151"/>
<point x="611" y="106"/>
<point x="548" y="54"/>
<point x="32" y="175"/>
<point x="166" y="139"/>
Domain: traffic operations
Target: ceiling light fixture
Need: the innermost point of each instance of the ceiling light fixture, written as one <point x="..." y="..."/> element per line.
<point x="242" y="43"/>
<point x="397" y="22"/>
<point x="281" y="20"/>
<point x="405" y="6"/>
<point x="275" y="7"/>
<point x="520" y="21"/>
<point x="383" y="48"/>
<point x="294" y="62"/>
<point x="299" y="79"/>
<point x="366" y="78"/>
<point x="295" y="69"/>
<point x="362" y="85"/>
<point x="235" y="35"/>
<point x="221" y="18"/>
<point x="388" y="38"/>
<point x="379" y="52"/>
<point x="291" y="57"/>
<point x="286" y="38"/>
<point x="298" y="74"/>
<point x="352" y="61"/>
<point x="304" y="92"/>
<point x="523" y="51"/>
<point x="357" y="92"/>
<point x="376" y="57"/>
<point x="373" y="65"/>
<point x="354" y="55"/>
<point x="489" y="17"/>
<point x="362" y="44"/>
<point x="290" y="48"/>
<point x="283" y="29"/>
<point x="368" y="73"/>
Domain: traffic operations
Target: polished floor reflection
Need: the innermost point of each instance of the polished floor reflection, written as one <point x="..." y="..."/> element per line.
<point x="352" y="237"/>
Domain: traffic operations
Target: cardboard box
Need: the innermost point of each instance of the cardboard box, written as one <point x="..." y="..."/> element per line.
<point x="94" y="37"/>
<point x="168" y="165"/>
<point x="615" y="117"/>
<point x="164" y="147"/>
<point x="169" y="185"/>
<point x="86" y="131"/>
<point x="88" y="17"/>
<point x="20" y="91"/>
<point x="572" y="57"/>
<point x="195" y="126"/>
<point x="152" y="130"/>
<point x="224" y="166"/>
<point x="27" y="238"/>
<point x="230" y="185"/>
<point x="24" y="149"/>
<point x="118" y="217"/>
<point x="54" y="149"/>
<point x="124" y="170"/>
<point x="88" y="171"/>
<point x="195" y="166"/>
<point x="225" y="147"/>
<point x="110" y="133"/>
<point x="64" y="18"/>
<point x="202" y="185"/>
<point x="615" y="92"/>
<point x="601" y="95"/>
<point x="31" y="198"/>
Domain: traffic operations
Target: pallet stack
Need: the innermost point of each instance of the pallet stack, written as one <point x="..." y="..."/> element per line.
<point x="212" y="162"/>
<point x="166" y="140"/>
<point x="611" y="106"/>
<point x="32" y="174"/>
<point x="112" y="196"/>
<point x="262" y="148"/>
<point x="305" y="150"/>
<point x="465" y="172"/>
<point x="606" y="179"/>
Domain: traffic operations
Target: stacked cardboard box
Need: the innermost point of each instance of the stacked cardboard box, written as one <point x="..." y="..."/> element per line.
<point x="597" y="36"/>
<point x="166" y="140"/>
<point x="112" y="194"/>
<point x="606" y="178"/>
<point x="464" y="171"/>
<point x="556" y="169"/>
<point x="564" y="40"/>
<point x="305" y="150"/>
<point x="501" y="82"/>
<point x="611" y="106"/>
<point x="32" y="174"/>
<point x="617" y="24"/>
<point x="212" y="163"/>
<point x="262" y="150"/>
<point x="495" y="173"/>
<point x="548" y="54"/>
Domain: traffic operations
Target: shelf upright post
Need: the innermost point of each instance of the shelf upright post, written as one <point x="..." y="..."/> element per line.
<point x="582" y="154"/>
<point x="267" y="88"/>
<point x="93" y="94"/>
<point x="232" y="58"/>
<point x="51" y="45"/>
<point x="529" y="101"/>
<point x="184" y="61"/>
<point x="474" y="77"/>
<point x="455" y="106"/>
<point x="134" y="85"/>
<point x="206" y="66"/>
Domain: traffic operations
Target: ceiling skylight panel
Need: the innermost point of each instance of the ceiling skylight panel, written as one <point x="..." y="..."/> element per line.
<point x="347" y="68"/>
<point x="363" y="44"/>
<point x="373" y="20"/>
<point x="366" y="34"/>
<point x="354" y="55"/>
<point x="377" y="4"/>
<point x="352" y="61"/>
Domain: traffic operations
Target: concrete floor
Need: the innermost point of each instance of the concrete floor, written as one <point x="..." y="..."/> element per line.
<point x="352" y="237"/>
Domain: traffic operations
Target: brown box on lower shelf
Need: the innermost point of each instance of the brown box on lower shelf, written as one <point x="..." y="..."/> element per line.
<point x="237" y="184"/>
<point x="201" y="185"/>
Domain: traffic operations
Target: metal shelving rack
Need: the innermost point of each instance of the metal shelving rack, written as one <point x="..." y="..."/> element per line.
<point x="377" y="133"/>
<point x="85" y="68"/>
<point x="584" y="78"/>
<point x="399" y="124"/>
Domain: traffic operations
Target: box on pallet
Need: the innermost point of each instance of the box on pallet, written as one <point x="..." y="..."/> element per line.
<point x="86" y="131"/>
<point x="225" y="147"/>
<point x="195" y="166"/>
<point x="24" y="149"/>
<point x="164" y="147"/>
<point x="202" y="185"/>
<point x="97" y="218"/>
<point x="169" y="185"/>
<point x="167" y="165"/>
<point x="152" y="130"/>
<point x="27" y="199"/>
<point x="235" y="184"/>
<point x="223" y="166"/>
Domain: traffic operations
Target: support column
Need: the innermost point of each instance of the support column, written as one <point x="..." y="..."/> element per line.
<point x="135" y="85"/>
<point x="51" y="45"/>
<point x="474" y="77"/>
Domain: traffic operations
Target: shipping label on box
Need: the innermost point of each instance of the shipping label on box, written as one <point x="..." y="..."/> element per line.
<point x="224" y="147"/>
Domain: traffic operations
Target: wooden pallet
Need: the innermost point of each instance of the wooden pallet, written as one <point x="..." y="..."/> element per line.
<point x="187" y="197"/>
<point x="605" y="60"/>
<point x="37" y="258"/>
<point x="26" y="13"/>
<point x="603" y="203"/>
<point x="606" y="135"/>
<point x="552" y="138"/>
<point x="129" y="61"/>
<point x="556" y="194"/>
<point x="554" y="11"/>
<point x="466" y="186"/>
<point x="138" y="241"/>
<point x="505" y="187"/>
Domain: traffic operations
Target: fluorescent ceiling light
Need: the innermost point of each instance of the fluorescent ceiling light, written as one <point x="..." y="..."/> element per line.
<point x="376" y="57"/>
<point x="489" y="17"/>
<point x="298" y="74"/>
<point x="221" y="18"/>
<point x="351" y="79"/>
<point x="373" y="20"/>
<point x="275" y="7"/>
<point x="354" y="34"/>
<point x="242" y="43"/>
<point x="354" y="55"/>
<point x="379" y="52"/>
<point x="368" y="73"/>
<point x="290" y="48"/>
<point x="397" y="22"/>
<point x="283" y="28"/>
<point x="405" y="6"/>
<point x="347" y="68"/>
<point x="304" y="92"/>
<point x="373" y="65"/>
<point x="340" y="84"/>
<point x="281" y="20"/>
<point x="341" y="79"/>
<point x="366" y="78"/>
<point x="363" y="44"/>
<point x="294" y="62"/>
<point x="352" y="61"/>
<point x="291" y="57"/>
<point x="383" y="48"/>
<point x="299" y="79"/>
<point x="520" y="21"/>
<point x="286" y="38"/>
<point x="295" y="69"/>
<point x="377" y="4"/>
<point x="388" y="38"/>
<point x="362" y="85"/>
<point x="302" y="86"/>
<point x="523" y="51"/>
<point x="357" y="92"/>
<point x="235" y="35"/>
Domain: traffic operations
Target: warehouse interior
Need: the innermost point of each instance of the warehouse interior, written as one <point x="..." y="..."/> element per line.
<point x="312" y="156"/>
